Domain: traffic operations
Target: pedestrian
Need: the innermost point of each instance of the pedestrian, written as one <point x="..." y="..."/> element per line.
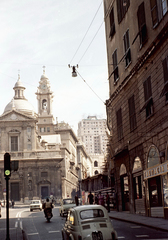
<point x="90" y="198"/>
<point x="108" y="202"/>
<point x="76" y="200"/>
<point x="101" y="199"/>
<point x="13" y="203"/>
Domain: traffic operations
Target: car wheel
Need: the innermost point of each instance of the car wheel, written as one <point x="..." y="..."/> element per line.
<point x="31" y="210"/>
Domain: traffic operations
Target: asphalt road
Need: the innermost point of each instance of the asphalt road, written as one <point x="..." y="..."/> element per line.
<point x="36" y="228"/>
<point x="129" y="231"/>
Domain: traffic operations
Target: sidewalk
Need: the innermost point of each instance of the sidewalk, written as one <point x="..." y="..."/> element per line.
<point x="157" y="223"/>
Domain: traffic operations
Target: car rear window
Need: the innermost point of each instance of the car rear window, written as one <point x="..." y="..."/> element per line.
<point x="68" y="201"/>
<point x="91" y="213"/>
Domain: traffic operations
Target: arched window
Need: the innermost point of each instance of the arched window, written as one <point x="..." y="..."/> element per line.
<point x="153" y="157"/>
<point x="95" y="164"/>
<point x="96" y="172"/>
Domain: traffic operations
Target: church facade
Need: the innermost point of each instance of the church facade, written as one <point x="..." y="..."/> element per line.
<point x="46" y="151"/>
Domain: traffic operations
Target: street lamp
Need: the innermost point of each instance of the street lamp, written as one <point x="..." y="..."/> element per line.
<point x="74" y="73"/>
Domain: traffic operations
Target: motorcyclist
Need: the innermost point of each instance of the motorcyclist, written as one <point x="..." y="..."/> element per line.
<point x="47" y="206"/>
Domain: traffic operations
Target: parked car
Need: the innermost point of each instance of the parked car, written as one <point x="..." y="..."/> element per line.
<point x="65" y="205"/>
<point x="88" y="222"/>
<point x="35" y="204"/>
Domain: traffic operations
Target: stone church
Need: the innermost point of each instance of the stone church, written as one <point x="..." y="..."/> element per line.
<point x="46" y="151"/>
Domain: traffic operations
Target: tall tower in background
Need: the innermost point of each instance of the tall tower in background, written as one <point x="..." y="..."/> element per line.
<point x="92" y="132"/>
<point x="45" y="99"/>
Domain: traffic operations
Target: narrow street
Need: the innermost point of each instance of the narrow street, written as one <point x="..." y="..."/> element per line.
<point x="35" y="227"/>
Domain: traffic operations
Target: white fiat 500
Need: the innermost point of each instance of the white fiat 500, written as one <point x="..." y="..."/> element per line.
<point x="89" y="222"/>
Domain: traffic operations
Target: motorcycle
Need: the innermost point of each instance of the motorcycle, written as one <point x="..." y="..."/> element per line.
<point x="48" y="214"/>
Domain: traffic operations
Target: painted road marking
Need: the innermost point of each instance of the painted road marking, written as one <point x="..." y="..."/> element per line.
<point x="135" y="226"/>
<point x="54" y="231"/>
<point x="32" y="233"/>
<point x="140" y="236"/>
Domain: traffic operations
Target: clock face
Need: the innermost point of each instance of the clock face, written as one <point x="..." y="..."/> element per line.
<point x="43" y="86"/>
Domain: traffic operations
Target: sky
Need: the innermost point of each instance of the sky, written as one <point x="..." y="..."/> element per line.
<point x="53" y="33"/>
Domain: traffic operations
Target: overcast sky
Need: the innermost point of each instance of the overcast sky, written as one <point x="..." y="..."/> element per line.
<point x="53" y="33"/>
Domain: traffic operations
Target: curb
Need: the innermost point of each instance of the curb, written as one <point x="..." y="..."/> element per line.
<point x="140" y="223"/>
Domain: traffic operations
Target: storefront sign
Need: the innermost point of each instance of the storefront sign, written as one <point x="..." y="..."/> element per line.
<point x="155" y="171"/>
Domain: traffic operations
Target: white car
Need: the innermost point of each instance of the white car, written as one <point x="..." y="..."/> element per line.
<point x="35" y="204"/>
<point x="89" y="222"/>
<point x="65" y="205"/>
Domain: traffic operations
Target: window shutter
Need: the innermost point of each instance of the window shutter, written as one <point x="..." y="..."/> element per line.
<point x="165" y="69"/>
<point x="147" y="89"/>
<point x="112" y="24"/>
<point x="142" y="23"/>
<point x="154" y="12"/>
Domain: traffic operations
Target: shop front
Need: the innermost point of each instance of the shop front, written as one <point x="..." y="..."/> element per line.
<point x="156" y="181"/>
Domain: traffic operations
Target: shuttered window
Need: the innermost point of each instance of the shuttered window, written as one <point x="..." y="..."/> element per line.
<point x="14" y="143"/>
<point x="122" y="8"/>
<point x="158" y="9"/>
<point x="119" y="124"/>
<point x="148" y="97"/>
<point x="165" y="74"/>
<point x="132" y="114"/>
<point x="112" y="23"/>
<point x="127" y="48"/>
<point x="115" y="66"/>
<point x="142" y="24"/>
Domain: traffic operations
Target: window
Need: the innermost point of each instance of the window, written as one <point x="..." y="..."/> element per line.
<point x="96" y="172"/>
<point x="115" y="66"/>
<point x="44" y="174"/>
<point x="148" y="106"/>
<point x="95" y="164"/>
<point x="165" y="72"/>
<point x="127" y="48"/>
<point x="48" y="129"/>
<point x="14" y="143"/>
<point x="119" y="124"/>
<point x="158" y="10"/>
<point x="148" y="97"/>
<point x="112" y="24"/>
<point x="122" y="7"/>
<point x="142" y="24"/>
<point x="137" y="184"/>
<point x="132" y="114"/>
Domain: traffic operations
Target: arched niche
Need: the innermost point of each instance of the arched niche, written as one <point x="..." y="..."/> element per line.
<point x="153" y="157"/>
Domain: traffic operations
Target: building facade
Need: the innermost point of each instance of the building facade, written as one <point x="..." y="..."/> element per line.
<point x="46" y="151"/>
<point x="93" y="133"/>
<point x="137" y="52"/>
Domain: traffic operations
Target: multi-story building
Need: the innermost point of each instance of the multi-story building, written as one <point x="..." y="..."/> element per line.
<point x="93" y="133"/>
<point x="47" y="152"/>
<point x="137" y="52"/>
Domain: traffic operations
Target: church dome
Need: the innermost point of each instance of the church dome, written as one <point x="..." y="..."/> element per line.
<point x="21" y="105"/>
<point x="19" y="102"/>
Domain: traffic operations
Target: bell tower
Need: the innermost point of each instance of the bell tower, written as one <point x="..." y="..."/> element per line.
<point x="44" y="99"/>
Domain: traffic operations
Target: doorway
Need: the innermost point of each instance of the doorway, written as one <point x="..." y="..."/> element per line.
<point x="44" y="192"/>
<point x="15" y="191"/>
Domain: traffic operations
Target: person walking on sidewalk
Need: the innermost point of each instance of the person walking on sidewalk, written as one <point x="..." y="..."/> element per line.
<point x="90" y="198"/>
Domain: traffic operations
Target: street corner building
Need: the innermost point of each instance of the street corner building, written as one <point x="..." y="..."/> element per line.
<point x="46" y="151"/>
<point x="137" y="108"/>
